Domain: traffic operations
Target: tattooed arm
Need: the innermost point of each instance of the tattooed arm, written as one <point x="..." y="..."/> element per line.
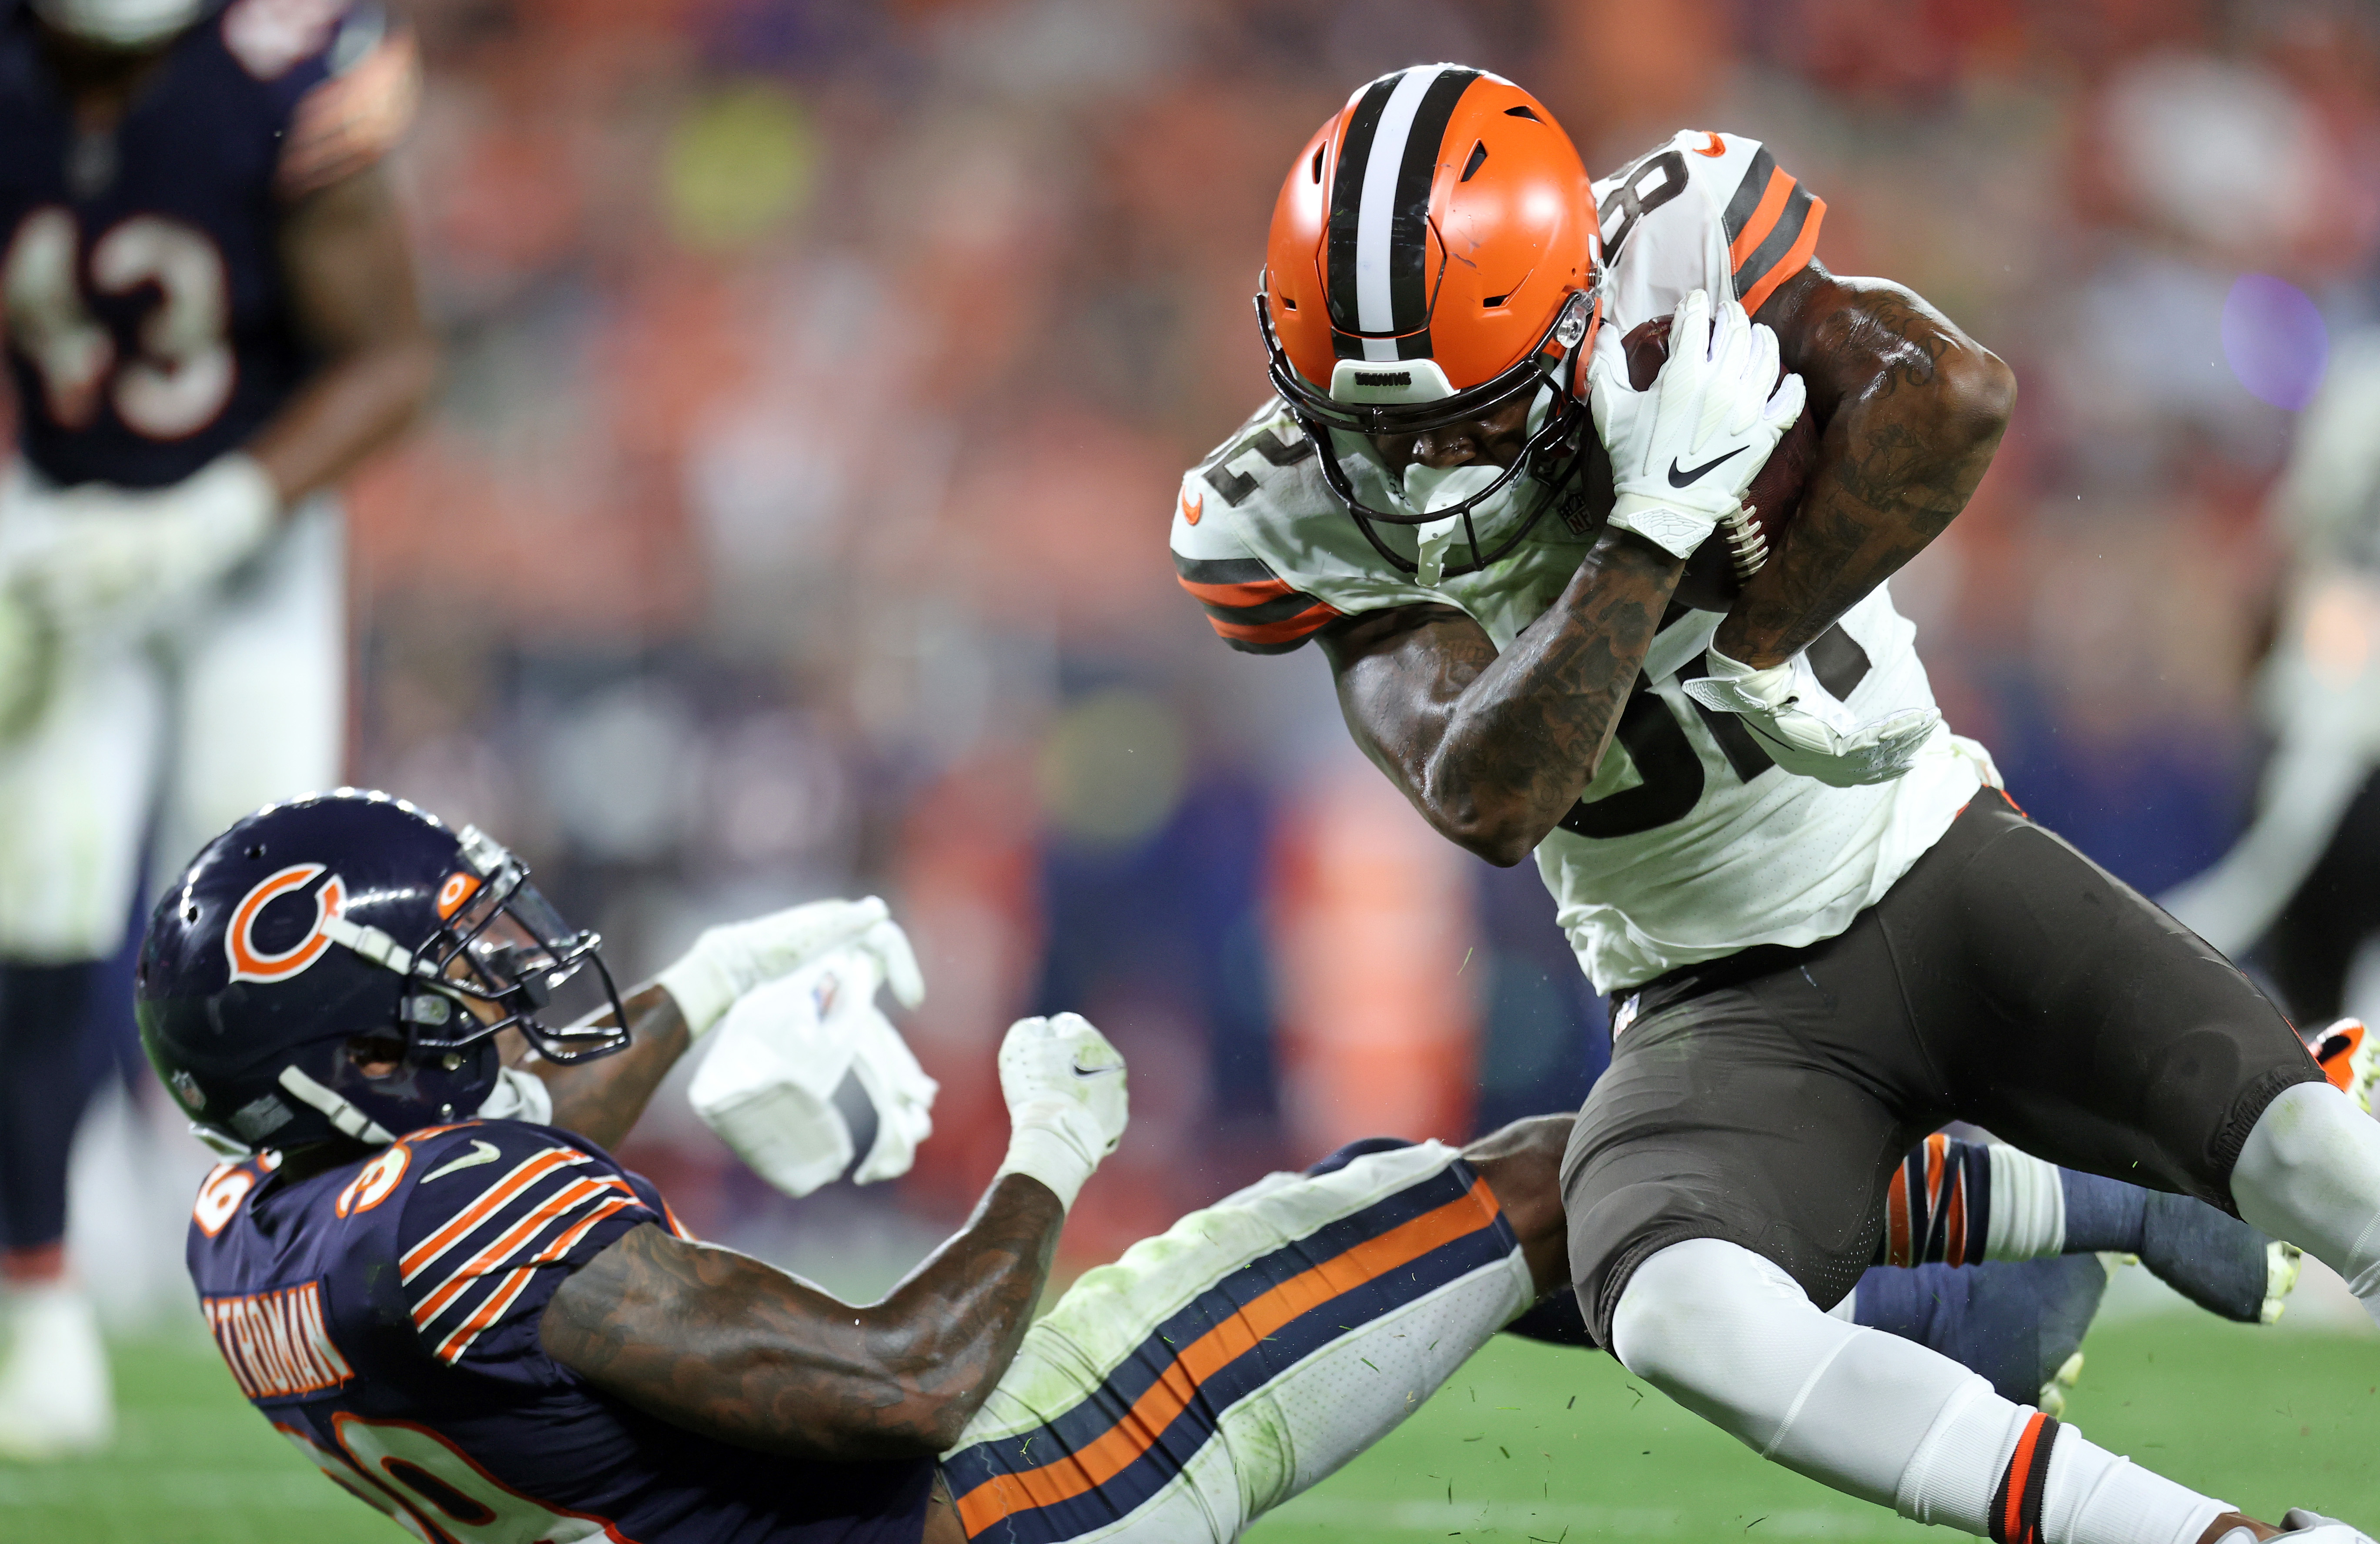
<point x="720" y="1344"/>
<point x="601" y="1100"/>
<point x="1913" y="409"/>
<point x="1494" y="749"/>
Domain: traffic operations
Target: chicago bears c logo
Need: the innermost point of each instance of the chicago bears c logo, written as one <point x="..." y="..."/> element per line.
<point x="250" y="963"/>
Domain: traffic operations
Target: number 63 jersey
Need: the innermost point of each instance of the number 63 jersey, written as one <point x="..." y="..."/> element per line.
<point x="383" y="1316"/>
<point x="148" y="324"/>
<point x="1689" y="843"/>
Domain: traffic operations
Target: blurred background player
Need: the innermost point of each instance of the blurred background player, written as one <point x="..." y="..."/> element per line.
<point x="2296" y="895"/>
<point x="210" y="320"/>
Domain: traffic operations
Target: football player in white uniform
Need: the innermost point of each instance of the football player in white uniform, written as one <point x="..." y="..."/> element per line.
<point x="210" y="318"/>
<point x="2295" y="889"/>
<point x="1825" y="929"/>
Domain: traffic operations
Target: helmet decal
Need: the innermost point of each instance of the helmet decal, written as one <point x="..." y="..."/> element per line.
<point x="250" y="963"/>
<point x="459" y="887"/>
<point x="1378" y="256"/>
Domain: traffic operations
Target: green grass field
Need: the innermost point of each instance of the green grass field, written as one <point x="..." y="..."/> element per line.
<point x="1526" y="1444"/>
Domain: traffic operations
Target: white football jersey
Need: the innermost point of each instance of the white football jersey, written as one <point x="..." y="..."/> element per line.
<point x="1689" y="843"/>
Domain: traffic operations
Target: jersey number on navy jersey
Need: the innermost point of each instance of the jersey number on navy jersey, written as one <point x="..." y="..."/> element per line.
<point x="416" y="1476"/>
<point x="182" y="376"/>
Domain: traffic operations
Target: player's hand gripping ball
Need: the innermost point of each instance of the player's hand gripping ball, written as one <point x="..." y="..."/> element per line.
<point x="1684" y="452"/>
<point x="1716" y="573"/>
<point x="1065" y="1085"/>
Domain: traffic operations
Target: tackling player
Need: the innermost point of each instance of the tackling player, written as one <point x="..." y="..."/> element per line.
<point x="487" y="1328"/>
<point x="210" y="318"/>
<point x="1826" y="929"/>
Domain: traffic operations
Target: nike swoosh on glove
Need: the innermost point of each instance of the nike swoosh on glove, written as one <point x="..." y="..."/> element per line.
<point x="1683" y="451"/>
<point x="1065" y="1085"/>
<point x="1805" y="729"/>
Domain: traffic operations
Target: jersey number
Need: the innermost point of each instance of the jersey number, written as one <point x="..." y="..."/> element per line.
<point x="183" y="373"/>
<point x="1638" y="195"/>
<point x="437" y="1493"/>
<point x="1667" y="761"/>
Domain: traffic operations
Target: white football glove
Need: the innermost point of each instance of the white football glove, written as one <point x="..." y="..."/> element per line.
<point x="767" y="1085"/>
<point x="108" y="555"/>
<point x="730" y="960"/>
<point x="1684" y="452"/>
<point x="517" y="1096"/>
<point x="1065" y="1085"/>
<point x="1805" y="728"/>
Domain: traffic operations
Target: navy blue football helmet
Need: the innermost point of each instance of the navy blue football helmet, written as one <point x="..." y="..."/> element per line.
<point x="319" y="940"/>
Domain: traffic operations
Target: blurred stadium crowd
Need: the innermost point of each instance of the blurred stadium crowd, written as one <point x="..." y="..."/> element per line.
<point x="821" y="371"/>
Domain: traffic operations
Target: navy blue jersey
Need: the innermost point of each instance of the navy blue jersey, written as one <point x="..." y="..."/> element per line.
<point x="382" y="1316"/>
<point x="148" y="320"/>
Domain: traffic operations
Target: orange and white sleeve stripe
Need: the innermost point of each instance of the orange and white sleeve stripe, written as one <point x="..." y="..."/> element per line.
<point x="1249" y="606"/>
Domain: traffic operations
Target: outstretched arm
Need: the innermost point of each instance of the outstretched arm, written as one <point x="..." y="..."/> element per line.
<point x="1913" y="409"/>
<point x="720" y="1345"/>
<point x="601" y="1100"/>
<point x="725" y="1347"/>
<point x="1494" y="748"/>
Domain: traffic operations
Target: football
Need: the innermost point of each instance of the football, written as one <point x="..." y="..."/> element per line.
<point x="1773" y="498"/>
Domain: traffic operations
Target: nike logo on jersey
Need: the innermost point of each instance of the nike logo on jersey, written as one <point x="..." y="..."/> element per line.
<point x="1192" y="508"/>
<point x="1680" y="479"/>
<point x="1716" y="147"/>
<point x="1082" y="1071"/>
<point x="481" y="1152"/>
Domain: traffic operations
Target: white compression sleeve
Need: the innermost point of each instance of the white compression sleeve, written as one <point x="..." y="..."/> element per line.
<point x="1732" y="1338"/>
<point x="2310" y="1173"/>
<point x="2028" y="1217"/>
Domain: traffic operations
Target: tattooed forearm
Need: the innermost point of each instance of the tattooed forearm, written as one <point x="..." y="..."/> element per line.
<point x="601" y="1100"/>
<point x="722" y="1344"/>
<point x="1913" y="409"/>
<point x="1495" y="748"/>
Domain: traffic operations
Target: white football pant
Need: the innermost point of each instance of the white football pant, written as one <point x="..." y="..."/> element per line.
<point x="194" y="727"/>
<point x="1231" y="1363"/>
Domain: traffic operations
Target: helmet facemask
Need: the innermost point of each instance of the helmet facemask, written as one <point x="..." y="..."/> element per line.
<point x="503" y="958"/>
<point x="1550" y="455"/>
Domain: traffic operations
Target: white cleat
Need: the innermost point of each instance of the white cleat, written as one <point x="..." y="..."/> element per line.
<point x="2349" y="1057"/>
<point x="55" y="1397"/>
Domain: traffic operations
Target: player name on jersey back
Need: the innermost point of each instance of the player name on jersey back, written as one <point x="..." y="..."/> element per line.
<point x="1689" y="843"/>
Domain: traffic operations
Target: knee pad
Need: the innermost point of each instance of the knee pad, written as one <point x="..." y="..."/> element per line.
<point x="2310" y="1174"/>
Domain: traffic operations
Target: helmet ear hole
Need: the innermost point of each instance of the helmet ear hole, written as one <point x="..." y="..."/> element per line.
<point x="1315" y="174"/>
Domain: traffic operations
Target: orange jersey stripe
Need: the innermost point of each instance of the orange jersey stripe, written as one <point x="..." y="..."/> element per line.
<point x="451" y="1349"/>
<point x="1896" y="1215"/>
<point x="1287" y="630"/>
<point x="1763" y="219"/>
<point x="1255" y="593"/>
<point x="464" y="1222"/>
<point x="578" y="1229"/>
<point x="1139" y="1427"/>
<point x="577" y="1193"/>
<point x="1795" y="259"/>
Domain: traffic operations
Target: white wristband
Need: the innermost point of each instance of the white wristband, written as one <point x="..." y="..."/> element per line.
<point x="1040" y="1153"/>
<point x="702" y="991"/>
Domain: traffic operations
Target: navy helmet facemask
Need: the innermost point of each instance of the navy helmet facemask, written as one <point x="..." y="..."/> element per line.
<point x="340" y="965"/>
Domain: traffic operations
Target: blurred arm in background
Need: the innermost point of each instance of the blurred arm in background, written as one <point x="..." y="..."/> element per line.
<point x="352" y="296"/>
<point x="1913" y="409"/>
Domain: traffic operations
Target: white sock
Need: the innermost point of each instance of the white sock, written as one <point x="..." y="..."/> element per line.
<point x="2028" y="1217"/>
<point x="2310" y="1173"/>
<point x="1728" y="1335"/>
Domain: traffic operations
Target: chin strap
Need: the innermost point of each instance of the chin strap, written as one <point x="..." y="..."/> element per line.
<point x="351" y="1120"/>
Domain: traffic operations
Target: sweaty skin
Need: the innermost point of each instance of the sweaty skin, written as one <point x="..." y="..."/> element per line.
<point x="351" y="295"/>
<point x="1494" y="750"/>
<point x="720" y="1345"/>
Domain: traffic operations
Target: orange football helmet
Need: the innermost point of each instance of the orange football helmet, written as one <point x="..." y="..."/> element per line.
<point x="1435" y="254"/>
